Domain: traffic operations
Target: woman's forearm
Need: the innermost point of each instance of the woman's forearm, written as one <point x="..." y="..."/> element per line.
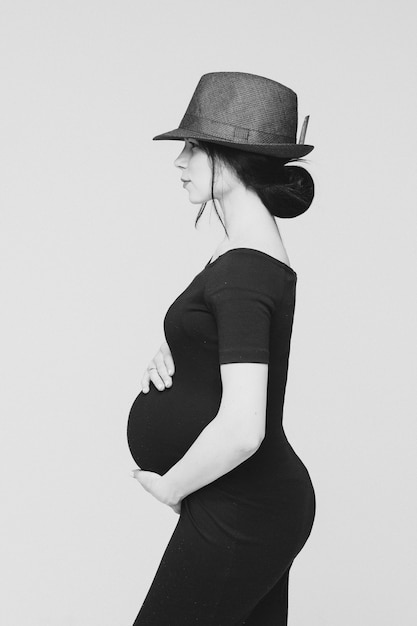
<point x="219" y="448"/>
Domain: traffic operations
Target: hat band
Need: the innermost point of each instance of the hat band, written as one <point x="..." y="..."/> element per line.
<point x="229" y="132"/>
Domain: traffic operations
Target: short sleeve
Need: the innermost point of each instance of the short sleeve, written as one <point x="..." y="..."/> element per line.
<point x="241" y="296"/>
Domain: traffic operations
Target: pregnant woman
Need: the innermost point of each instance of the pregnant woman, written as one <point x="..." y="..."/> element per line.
<point x="206" y="430"/>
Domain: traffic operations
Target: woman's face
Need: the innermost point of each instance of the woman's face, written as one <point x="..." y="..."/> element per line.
<point x="196" y="174"/>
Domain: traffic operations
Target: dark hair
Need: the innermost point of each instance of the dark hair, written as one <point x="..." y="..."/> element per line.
<point x="285" y="190"/>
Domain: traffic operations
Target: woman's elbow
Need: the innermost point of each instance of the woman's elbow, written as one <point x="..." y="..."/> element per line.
<point x="251" y="442"/>
<point x="244" y="431"/>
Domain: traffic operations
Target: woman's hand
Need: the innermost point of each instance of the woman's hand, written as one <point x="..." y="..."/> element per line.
<point x="160" y="370"/>
<point x="153" y="483"/>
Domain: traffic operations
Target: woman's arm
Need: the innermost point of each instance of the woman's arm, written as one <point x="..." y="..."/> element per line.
<point x="232" y="437"/>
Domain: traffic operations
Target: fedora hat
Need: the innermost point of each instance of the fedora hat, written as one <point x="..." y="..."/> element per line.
<point x="243" y="111"/>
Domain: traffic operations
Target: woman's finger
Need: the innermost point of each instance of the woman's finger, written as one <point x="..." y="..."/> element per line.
<point x="151" y="375"/>
<point x="145" y="382"/>
<point x="155" y="378"/>
<point x="162" y="370"/>
<point x="169" y="361"/>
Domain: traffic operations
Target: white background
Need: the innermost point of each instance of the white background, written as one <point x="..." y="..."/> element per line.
<point x="98" y="238"/>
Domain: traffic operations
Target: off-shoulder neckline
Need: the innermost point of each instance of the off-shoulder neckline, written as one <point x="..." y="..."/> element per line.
<point x="255" y="251"/>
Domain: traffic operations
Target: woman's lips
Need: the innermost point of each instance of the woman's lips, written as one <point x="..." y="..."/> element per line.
<point x="184" y="182"/>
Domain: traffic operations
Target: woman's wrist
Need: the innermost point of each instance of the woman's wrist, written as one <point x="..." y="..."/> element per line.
<point x="169" y="491"/>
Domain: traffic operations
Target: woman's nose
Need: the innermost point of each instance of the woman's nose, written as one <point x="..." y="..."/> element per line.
<point x="181" y="160"/>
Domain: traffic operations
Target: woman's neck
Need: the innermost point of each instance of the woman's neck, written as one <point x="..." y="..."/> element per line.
<point x="249" y="224"/>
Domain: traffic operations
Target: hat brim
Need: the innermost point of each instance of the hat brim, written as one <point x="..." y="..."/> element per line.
<point x="283" y="150"/>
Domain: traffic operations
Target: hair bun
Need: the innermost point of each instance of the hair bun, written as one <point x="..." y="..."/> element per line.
<point x="296" y="194"/>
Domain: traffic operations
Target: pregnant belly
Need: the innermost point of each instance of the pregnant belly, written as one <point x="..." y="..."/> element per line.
<point x="162" y="425"/>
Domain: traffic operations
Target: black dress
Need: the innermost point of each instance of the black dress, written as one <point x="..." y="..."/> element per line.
<point x="228" y="560"/>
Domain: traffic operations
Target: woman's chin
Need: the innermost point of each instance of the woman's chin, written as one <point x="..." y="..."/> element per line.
<point x="195" y="199"/>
